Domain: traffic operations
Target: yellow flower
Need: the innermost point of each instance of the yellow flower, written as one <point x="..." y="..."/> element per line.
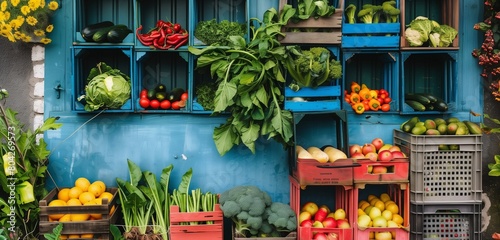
<point x="16" y="23"/>
<point x="18" y="35"/>
<point x="33" y="4"/>
<point x="25" y="10"/>
<point x="49" y="28"/>
<point x="25" y="38"/>
<point x="3" y="6"/>
<point x="6" y="16"/>
<point x="5" y="28"/>
<point x="53" y="5"/>
<point x="45" y="40"/>
<point x="39" y="33"/>
<point x="31" y="20"/>
<point x="14" y="2"/>
<point x="42" y="4"/>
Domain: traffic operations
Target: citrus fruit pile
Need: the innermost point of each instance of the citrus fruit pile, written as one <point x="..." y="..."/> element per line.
<point x="379" y="211"/>
<point x="83" y="193"/>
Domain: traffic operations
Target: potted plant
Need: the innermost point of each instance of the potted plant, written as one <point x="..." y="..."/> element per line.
<point x="24" y="158"/>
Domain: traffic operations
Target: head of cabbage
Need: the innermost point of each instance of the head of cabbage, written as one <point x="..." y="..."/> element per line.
<point x="107" y="90"/>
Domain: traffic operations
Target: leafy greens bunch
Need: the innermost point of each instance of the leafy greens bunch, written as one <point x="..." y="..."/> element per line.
<point x="107" y="88"/>
<point x="210" y="32"/>
<point x="312" y="67"/>
<point x="250" y="81"/>
<point x="313" y="8"/>
<point x="423" y="31"/>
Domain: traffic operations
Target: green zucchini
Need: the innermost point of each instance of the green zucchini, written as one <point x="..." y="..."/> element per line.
<point x="175" y="94"/>
<point x="440" y="105"/>
<point x="117" y="34"/>
<point x="431" y="97"/>
<point x="417" y="106"/>
<point x="101" y="34"/>
<point x="89" y="31"/>
<point x="418" y="98"/>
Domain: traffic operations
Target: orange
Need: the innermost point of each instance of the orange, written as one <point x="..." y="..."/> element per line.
<point x="95" y="189"/>
<point x="93" y="216"/>
<point x="63" y="194"/>
<point x="364" y="205"/>
<point x="112" y="210"/>
<point x="74" y="202"/>
<point x="87" y="235"/>
<point x="397" y="218"/>
<point x="373" y="201"/>
<point x="100" y="183"/>
<point x="73" y="236"/>
<point x="380" y="205"/>
<point x="58" y="203"/>
<point x="385" y="197"/>
<point x="63" y="236"/>
<point x="82" y="183"/>
<point x="392" y="207"/>
<point x="371" y="196"/>
<point x="86" y="197"/>
<point x="74" y="192"/>
<point x="80" y="217"/>
<point x="65" y="218"/>
<point x="389" y="202"/>
<point x="107" y="195"/>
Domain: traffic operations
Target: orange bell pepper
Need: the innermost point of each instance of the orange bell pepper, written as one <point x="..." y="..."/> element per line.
<point x="374" y="104"/>
<point x="364" y="93"/>
<point x="355" y="98"/>
<point x="355" y="87"/>
<point x="359" y="108"/>
<point x="373" y="94"/>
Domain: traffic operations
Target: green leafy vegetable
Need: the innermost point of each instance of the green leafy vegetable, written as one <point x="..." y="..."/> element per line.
<point x="212" y="33"/>
<point x="249" y="81"/>
<point x="350" y="13"/>
<point x="56" y="233"/>
<point x="205" y="95"/>
<point x="446" y="35"/>
<point x="110" y="89"/>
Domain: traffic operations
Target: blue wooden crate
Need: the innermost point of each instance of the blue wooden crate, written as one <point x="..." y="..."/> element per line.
<point x="377" y="35"/>
<point x="87" y="12"/>
<point x="86" y="57"/>
<point x="322" y="98"/>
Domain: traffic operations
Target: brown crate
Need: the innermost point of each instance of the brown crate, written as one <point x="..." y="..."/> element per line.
<point x="332" y="23"/>
<point x="100" y="228"/>
<point x="450" y="15"/>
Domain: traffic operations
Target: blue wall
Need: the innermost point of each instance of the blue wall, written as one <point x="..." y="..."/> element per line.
<point x="100" y="148"/>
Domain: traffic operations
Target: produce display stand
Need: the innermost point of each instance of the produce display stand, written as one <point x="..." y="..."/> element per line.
<point x="180" y="228"/>
<point x="100" y="228"/>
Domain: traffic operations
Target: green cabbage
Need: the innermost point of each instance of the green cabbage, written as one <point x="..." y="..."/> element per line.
<point x="107" y="90"/>
<point x="424" y="26"/>
<point x="446" y="35"/>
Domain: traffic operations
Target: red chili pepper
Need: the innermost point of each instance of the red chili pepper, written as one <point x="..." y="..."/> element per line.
<point x="182" y="42"/>
<point x="144" y="40"/>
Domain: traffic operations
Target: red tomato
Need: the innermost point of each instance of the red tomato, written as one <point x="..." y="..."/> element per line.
<point x="381" y="100"/>
<point x="155" y="104"/>
<point x="387" y="100"/>
<point x="144" y="102"/>
<point x="383" y="91"/>
<point x="144" y="93"/>
<point x="367" y="107"/>
<point x="175" y="105"/>
<point x="165" y="104"/>
<point x="184" y="96"/>
<point x="385" y="107"/>
<point x="383" y="95"/>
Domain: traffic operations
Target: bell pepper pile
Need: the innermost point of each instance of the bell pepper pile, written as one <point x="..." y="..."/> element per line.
<point x="165" y="35"/>
<point x="361" y="98"/>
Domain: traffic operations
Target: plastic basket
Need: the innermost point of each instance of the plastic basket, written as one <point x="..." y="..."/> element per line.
<point x="459" y="222"/>
<point x="399" y="193"/>
<point x="343" y="199"/>
<point x="443" y="176"/>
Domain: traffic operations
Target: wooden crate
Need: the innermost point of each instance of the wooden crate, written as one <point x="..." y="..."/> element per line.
<point x="449" y="14"/>
<point x="331" y="27"/>
<point x="202" y="231"/>
<point x="397" y="171"/>
<point x="100" y="228"/>
<point x="290" y="236"/>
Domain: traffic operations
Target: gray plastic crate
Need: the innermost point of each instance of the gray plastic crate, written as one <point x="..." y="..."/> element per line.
<point x="457" y="222"/>
<point x="443" y="176"/>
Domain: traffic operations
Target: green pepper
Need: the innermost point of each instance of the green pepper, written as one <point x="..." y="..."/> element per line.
<point x="25" y="190"/>
<point x="9" y="164"/>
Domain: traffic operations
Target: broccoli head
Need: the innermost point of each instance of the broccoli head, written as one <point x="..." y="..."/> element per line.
<point x="245" y="205"/>
<point x="350" y="13"/>
<point x="282" y="217"/>
<point x="366" y="15"/>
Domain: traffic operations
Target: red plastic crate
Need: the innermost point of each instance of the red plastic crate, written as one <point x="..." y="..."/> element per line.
<point x="399" y="193"/>
<point x="343" y="199"/>
<point x="203" y="230"/>
<point x="312" y="172"/>
<point x="397" y="171"/>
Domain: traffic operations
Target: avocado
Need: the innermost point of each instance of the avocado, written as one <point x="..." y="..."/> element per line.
<point x="161" y="87"/>
<point x="175" y="94"/>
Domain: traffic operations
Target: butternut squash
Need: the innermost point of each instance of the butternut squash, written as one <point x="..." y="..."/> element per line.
<point x="334" y="154"/>
<point x="318" y="154"/>
<point x="302" y="153"/>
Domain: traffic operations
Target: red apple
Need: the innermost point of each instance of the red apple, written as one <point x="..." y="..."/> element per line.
<point x="354" y="149"/>
<point x="303" y="216"/>
<point x="372" y="156"/>
<point x="368" y="147"/>
<point x="394" y="148"/>
<point x="398" y="154"/>
<point x="379" y="170"/>
<point x="310" y="207"/>
<point x="343" y="223"/>
<point x="385" y="156"/>
<point x="378" y="143"/>
<point x="306" y="223"/>
<point x="326" y="208"/>
<point x="358" y="155"/>
<point x="329" y="222"/>
<point x="319" y="236"/>
<point x="320" y="214"/>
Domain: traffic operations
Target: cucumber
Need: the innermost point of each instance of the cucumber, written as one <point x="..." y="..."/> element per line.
<point x="116" y="35"/>
<point x="418" y="98"/>
<point x="417" y="106"/>
<point x="440" y="105"/>
<point x="410" y="124"/>
<point x="431" y="97"/>
<point x="101" y="34"/>
<point x="89" y="31"/>
<point x="175" y="94"/>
